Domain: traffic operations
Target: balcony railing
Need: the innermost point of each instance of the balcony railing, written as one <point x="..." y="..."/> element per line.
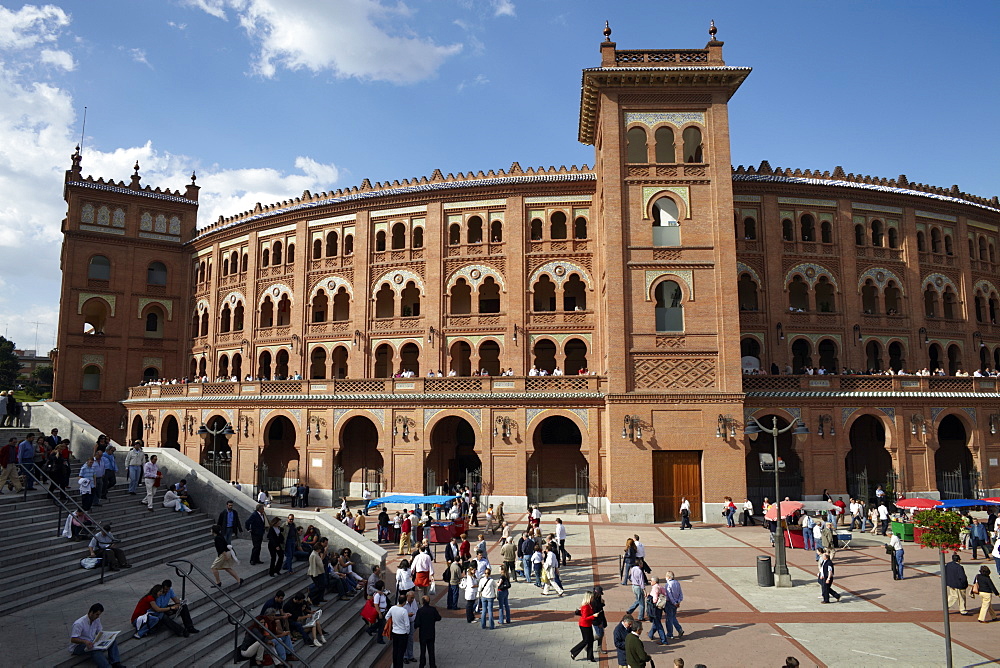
<point x="353" y="386"/>
<point x="827" y="383"/>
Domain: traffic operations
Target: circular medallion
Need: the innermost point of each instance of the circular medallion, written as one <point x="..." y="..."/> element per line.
<point x="560" y="270"/>
<point x="398" y="279"/>
<point x="810" y="272"/>
<point x="939" y="281"/>
<point x="880" y="276"/>
<point x="331" y="284"/>
<point x="232" y="298"/>
<point x="475" y="274"/>
<point x="275" y="291"/>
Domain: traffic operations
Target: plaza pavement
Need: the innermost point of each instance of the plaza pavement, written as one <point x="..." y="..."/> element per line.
<point x="728" y="620"/>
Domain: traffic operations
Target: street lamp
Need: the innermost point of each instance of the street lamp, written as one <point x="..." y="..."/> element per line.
<point x="753" y="426"/>
<point x="725" y="423"/>
<point x="826" y="418"/>
<point x="632" y="428"/>
<point x="504" y="425"/>
<point x="227" y="430"/>
<point x="917" y="421"/>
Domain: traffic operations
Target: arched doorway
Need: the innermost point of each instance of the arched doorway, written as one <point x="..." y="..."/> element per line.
<point x="869" y="464"/>
<point x="461" y="358"/>
<point x="216" y="455"/>
<point x="957" y="477"/>
<point x="934" y="357"/>
<point x="452" y="457"/>
<point x="136" y="432"/>
<point x="278" y="464"/>
<point x="873" y="356"/>
<point x="828" y="355"/>
<point x="358" y="463"/>
<point x="801" y="355"/>
<point x="556" y="463"/>
<point x="761" y="483"/>
<point x="170" y="433"/>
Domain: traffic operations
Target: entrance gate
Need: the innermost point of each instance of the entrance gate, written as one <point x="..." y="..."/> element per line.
<point x="583" y="506"/>
<point x="533" y="486"/>
<point x="373" y="481"/>
<point x="339" y="488"/>
<point x="430" y="482"/>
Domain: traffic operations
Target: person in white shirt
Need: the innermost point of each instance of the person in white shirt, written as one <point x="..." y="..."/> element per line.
<point x="400" y="630"/>
<point x="149" y="473"/>
<point x="172" y="500"/>
<point x="404" y="579"/>
<point x="685" y="514"/>
<point x="85" y="632"/>
<point x="536" y="516"/>
<point x="564" y="556"/>
<point x="550" y="567"/>
<point x="366" y="495"/>
<point x="263" y="498"/>
<point x="423" y="571"/>
<point x="411" y="608"/>
<point x="897" y="556"/>
<point x="471" y="588"/>
<point x="883" y="518"/>
<point x="748" y="520"/>
<point x="486" y="589"/>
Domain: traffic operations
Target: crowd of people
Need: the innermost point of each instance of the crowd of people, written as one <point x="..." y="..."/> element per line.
<point x="810" y="370"/>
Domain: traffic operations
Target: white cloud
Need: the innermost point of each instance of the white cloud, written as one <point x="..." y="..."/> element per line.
<point x="353" y="38"/>
<point x="478" y="80"/>
<point x="503" y="8"/>
<point x="179" y="26"/>
<point x="139" y="56"/>
<point x="30" y="26"/>
<point x="61" y="59"/>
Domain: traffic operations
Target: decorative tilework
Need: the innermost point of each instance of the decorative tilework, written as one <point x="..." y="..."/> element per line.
<point x="802" y="201"/>
<point x="397" y="280"/>
<point x="986" y="286"/>
<point x="331" y="285"/>
<point x="160" y="224"/>
<point x="146" y="221"/>
<point x="103" y="216"/>
<point x="889" y="411"/>
<point x="560" y="338"/>
<point x="876" y="207"/>
<point x="475" y="339"/>
<point x="339" y="413"/>
<point x="175" y="226"/>
<point x="971" y="412"/>
<point x="747" y="198"/>
<point x="685" y="275"/>
<point x="939" y="282"/>
<point x="122" y="190"/>
<point x="531" y="413"/>
<point x="87" y="214"/>
<point x="880" y="277"/>
<point x="934" y="414"/>
<point x="815" y="338"/>
<point x="475" y="204"/>
<point x="297" y="412"/>
<point x="275" y="292"/>
<point x="152" y="361"/>
<point x="583" y="414"/>
<point x="104" y="230"/>
<point x="84" y="296"/>
<point x="653" y="118"/>
<point x="379" y="413"/>
<point x="118" y="219"/>
<point x="96" y="358"/>
<point x="810" y="272"/>
<point x="681" y="191"/>
<point x="559" y="271"/>
<point x="167" y="304"/>
<point x="743" y="268"/>
<point x="158" y="237"/>
<point x="845" y="414"/>
<point x="936" y="216"/>
<point x="429" y="414"/>
<point x="403" y="211"/>
<point x="264" y="412"/>
<point x="474" y="274"/>
<point x="477" y="414"/>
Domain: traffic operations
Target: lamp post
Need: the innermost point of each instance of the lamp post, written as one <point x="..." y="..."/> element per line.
<point x="753" y="426"/>
<point x="227" y="430"/>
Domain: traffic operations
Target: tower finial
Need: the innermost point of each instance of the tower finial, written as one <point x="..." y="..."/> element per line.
<point x="712" y="30"/>
<point x="193" y="177"/>
<point x="607" y="31"/>
<point x="136" y="167"/>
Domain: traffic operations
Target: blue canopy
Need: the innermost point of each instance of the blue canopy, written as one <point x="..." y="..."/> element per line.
<point x="412" y="499"/>
<point x="966" y="503"/>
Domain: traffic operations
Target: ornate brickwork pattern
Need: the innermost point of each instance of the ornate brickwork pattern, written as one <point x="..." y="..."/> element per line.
<point x="880" y="276"/>
<point x="561" y="270"/>
<point x="475" y="274"/>
<point x="810" y="272"/>
<point x="670" y="341"/>
<point x="167" y="304"/>
<point x="935" y="412"/>
<point x="686" y="276"/>
<point x="939" y="282"/>
<point x="96" y="358"/>
<point x="986" y="287"/>
<point x="275" y="291"/>
<point x="397" y="280"/>
<point x="653" y="118"/>
<point x="742" y="267"/>
<point x="971" y="412"/>
<point x="683" y="192"/>
<point x="674" y="372"/>
<point x="331" y="285"/>
<point x="84" y="296"/>
<point x="152" y="361"/>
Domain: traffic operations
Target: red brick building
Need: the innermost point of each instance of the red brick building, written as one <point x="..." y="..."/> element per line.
<point x="651" y="280"/>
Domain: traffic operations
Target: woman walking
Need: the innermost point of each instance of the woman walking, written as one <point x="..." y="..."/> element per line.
<point x="628" y="559"/>
<point x="404" y="579"/>
<point x="503" y="594"/>
<point x="468" y="583"/>
<point x="729" y="512"/>
<point x="587" y="618"/>
<point x="487" y="592"/>
<point x="601" y="621"/>
<point x="987" y="590"/>
<point x="275" y="546"/>
<point x="224" y="560"/>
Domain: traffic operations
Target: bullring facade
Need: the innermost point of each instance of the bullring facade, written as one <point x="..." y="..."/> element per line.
<point x="390" y="334"/>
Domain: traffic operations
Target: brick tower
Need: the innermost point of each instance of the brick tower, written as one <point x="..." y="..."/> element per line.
<point x="659" y="123"/>
<point x="123" y="310"/>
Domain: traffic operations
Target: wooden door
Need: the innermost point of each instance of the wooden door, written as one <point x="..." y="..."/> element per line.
<point x="676" y="474"/>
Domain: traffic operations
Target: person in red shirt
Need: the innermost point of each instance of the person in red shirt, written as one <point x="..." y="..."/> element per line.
<point x="404" y="535"/>
<point x="464" y="548"/>
<point x="841" y="509"/>
<point x="154" y="614"/>
<point x="586" y="622"/>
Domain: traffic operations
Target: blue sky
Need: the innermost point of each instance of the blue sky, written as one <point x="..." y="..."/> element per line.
<point x="266" y="98"/>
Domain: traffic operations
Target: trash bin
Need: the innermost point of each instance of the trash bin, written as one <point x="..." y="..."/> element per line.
<point x="765" y="576"/>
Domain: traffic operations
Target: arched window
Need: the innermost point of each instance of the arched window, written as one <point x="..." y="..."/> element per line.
<point x="787" y="232"/>
<point x="869" y="297"/>
<point x="664" y="144"/>
<point x="930" y="302"/>
<point x="454" y="234"/>
<point x="348" y="244"/>
<point x="154" y="323"/>
<point x="536" y="229"/>
<point x="265" y="258"/>
<point x="921" y="241"/>
<point x="489" y="296"/>
<point x="461" y="298"/>
<point x="994" y="307"/>
<point x="410" y="300"/>
<point x="150" y="373"/>
<point x="826" y="232"/>
<point x="417" y="238"/>
<point x="331" y="244"/>
<point x="317" y="363"/>
<point x="935" y="240"/>
<point x="897" y="357"/>
<point x="669" y="307"/>
<point x="281" y="365"/>
<point x="461" y="358"/>
<point x="204" y="324"/>
<point x="380" y="241"/>
<point x="238" y="317"/>
<point x="877" y="233"/>
<point x="383" y="361"/>
<point x="92" y="377"/>
<point x="749" y="228"/>
<point x="934" y="357"/>
<point x="692" y="145"/>
<point x="225" y="266"/>
<point x="859" y="235"/>
<point x="747" y="293"/>
<point x="666" y="227"/>
<point x="980" y="306"/>
<point x="267" y="313"/>
<point x="284" y="311"/>
<point x="341" y="305"/>
<point x="339" y="359"/>
<point x="574" y="294"/>
<point x="557" y="226"/>
<point x="893" y="237"/>
<point x="196" y="325"/>
<point x="801" y="355"/>
<point x="544" y="291"/>
<point x="226" y="320"/>
<point x="750" y="347"/>
<point x="409" y="358"/>
<point x="474" y="230"/>
<point x="489" y="357"/>
<point x="825" y="301"/>
<point x="156" y="273"/>
<point x="319" y="306"/>
<point x="982" y="248"/>
<point x="893" y="298"/>
<point x="807" y="228"/>
<point x="99" y="268"/>
<point x="234" y="263"/>
<point x="398" y="236"/>
<point x="828" y="355"/>
<point x="580" y="228"/>
<point x="245" y="262"/>
<point x="264" y="366"/>
<point x="203" y="367"/>
<point x="317" y="249"/>
<point x="873" y="356"/>
<point x="496" y="232"/>
<point x="948" y="304"/>
<point x="576" y="357"/>
<point x="95" y="315"/>
<point x="948" y="248"/>
<point x="385" y="302"/>
<point x="276" y="253"/>
<point x="545" y="355"/>
<point x="290" y="255"/>
<point x="972" y="249"/>
<point x="201" y="272"/>
<point x="636" y="150"/>
<point x="224" y="366"/>
<point x="954" y="359"/>
<point x="798" y="294"/>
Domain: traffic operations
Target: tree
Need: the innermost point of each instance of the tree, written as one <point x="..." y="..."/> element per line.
<point x="43" y="375"/>
<point x="10" y="366"/>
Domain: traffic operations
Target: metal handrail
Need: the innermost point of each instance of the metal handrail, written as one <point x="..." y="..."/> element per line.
<point x="60" y="504"/>
<point x="238" y="622"/>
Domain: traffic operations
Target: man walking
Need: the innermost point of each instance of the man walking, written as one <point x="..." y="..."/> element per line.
<point x="26" y="461"/>
<point x="400" y="620"/>
<point x="883" y="517"/>
<point x="808" y="539"/>
<point x="957" y="582"/>
<point x="674" y="598"/>
<point x="257" y="526"/>
<point x="8" y="457"/>
<point x="425" y="619"/>
<point x="637" y="578"/>
<point x="685" y="514"/>
<point x="622" y="630"/>
<point x="229" y="520"/>
<point x="978" y="536"/>
<point x="133" y="462"/>
<point x="896" y="545"/>
<point x="635" y="653"/>
<point x="99" y="468"/>
<point x="564" y="556"/>
<point x="150" y="471"/>
<point x="825" y="578"/>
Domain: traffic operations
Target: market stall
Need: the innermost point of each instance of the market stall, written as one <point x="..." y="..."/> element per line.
<point x="442" y="531"/>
